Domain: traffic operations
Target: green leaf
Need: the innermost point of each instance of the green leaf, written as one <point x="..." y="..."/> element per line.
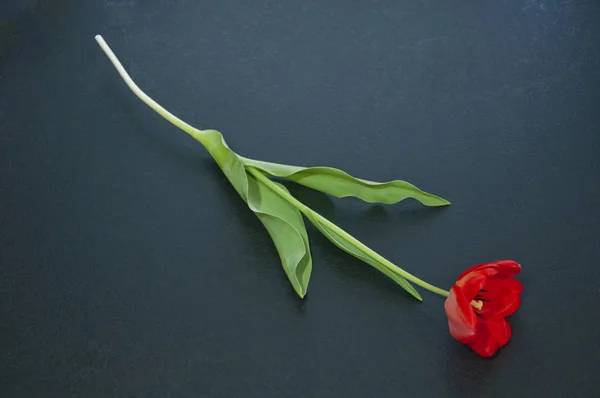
<point x="341" y="184"/>
<point x="350" y="248"/>
<point x="281" y="219"/>
<point x="286" y="227"/>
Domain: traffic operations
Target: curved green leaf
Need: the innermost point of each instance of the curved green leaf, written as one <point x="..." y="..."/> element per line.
<point x="282" y="220"/>
<point x="341" y="184"/>
<point x="350" y="248"/>
<point x="286" y="227"/>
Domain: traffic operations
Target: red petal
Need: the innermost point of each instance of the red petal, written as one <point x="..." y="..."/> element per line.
<point x="471" y="284"/>
<point x="485" y="344"/>
<point x="500" y="330"/>
<point x="502" y="296"/>
<point x="508" y="267"/>
<point x="502" y="267"/>
<point x="471" y="270"/>
<point x="461" y="316"/>
<point x="501" y="307"/>
<point x="501" y="285"/>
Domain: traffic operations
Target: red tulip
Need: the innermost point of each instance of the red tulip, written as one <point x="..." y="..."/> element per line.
<point x="478" y="303"/>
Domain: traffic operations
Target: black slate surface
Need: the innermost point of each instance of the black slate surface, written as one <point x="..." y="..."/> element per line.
<point x="129" y="267"/>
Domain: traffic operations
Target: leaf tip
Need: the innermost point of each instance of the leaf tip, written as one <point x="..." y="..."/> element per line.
<point x="415" y="294"/>
<point x="439" y="202"/>
<point x="299" y="291"/>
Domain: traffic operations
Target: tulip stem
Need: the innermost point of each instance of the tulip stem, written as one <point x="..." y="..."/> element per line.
<point x="308" y="212"/>
<point x="191" y="130"/>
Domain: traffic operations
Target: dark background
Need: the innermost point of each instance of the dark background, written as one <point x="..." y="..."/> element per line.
<point x="129" y="267"/>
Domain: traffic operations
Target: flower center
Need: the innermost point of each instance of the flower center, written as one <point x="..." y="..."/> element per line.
<point x="478" y="304"/>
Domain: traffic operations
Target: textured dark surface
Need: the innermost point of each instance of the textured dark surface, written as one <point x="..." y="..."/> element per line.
<point x="129" y="266"/>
